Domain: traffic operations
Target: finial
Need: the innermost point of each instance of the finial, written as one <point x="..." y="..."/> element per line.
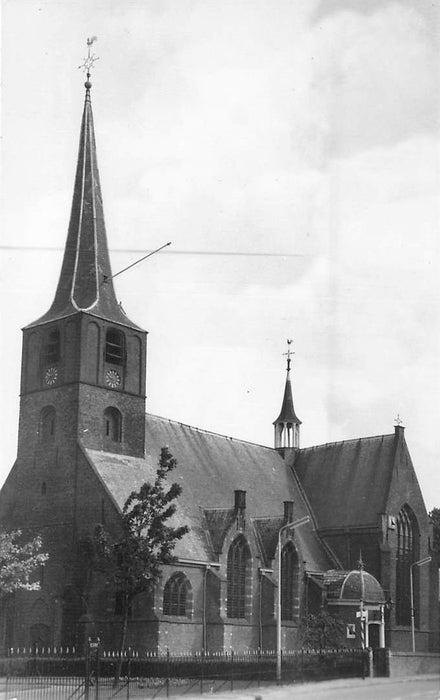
<point x="398" y="420"/>
<point x="89" y="60"/>
<point x="360" y="562"/>
<point x="289" y="353"/>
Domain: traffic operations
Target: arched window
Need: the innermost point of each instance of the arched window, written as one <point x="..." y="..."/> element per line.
<point x="47" y="424"/>
<point x="115" y="347"/>
<point x="406" y="554"/>
<point x="289" y="583"/>
<point x="177" y="596"/>
<point x="238" y="577"/>
<point x="113" y="424"/>
<point x="51" y="347"/>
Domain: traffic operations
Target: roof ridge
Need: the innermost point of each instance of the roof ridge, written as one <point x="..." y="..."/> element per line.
<point x="210" y="432"/>
<point x="343" y="442"/>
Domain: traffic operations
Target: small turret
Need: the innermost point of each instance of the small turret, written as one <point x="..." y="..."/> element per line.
<point x="287" y="425"/>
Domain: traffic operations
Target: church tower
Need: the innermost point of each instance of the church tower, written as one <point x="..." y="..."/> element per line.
<point x="83" y="364"/>
<point x="287" y="425"/>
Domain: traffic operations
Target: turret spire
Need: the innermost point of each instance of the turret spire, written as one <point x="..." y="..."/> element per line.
<point x="287" y="425"/>
<point x="85" y="282"/>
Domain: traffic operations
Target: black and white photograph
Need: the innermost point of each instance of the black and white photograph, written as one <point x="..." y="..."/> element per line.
<point x="220" y="349"/>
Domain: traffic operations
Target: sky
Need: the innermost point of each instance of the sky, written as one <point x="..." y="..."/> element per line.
<point x="290" y="153"/>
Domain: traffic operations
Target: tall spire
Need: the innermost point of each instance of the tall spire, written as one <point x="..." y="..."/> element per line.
<point x="287" y="425"/>
<point x="85" y="282"/>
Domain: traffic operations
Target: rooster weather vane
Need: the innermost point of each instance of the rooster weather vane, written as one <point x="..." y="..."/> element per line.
<point x="90" y="59"/>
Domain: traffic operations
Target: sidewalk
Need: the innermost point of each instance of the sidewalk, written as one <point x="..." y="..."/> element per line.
<point x="292" y="690"/>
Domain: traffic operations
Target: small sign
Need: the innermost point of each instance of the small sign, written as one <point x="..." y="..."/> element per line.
<point x="94" y="645"/>
<point x="351" y="631"/>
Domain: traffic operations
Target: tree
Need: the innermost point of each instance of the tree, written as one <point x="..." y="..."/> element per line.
<point x="322" y="631"/>
<point x="18" y="561"/>
<point x="435" y="520"/>
<point x="146" y="542"/>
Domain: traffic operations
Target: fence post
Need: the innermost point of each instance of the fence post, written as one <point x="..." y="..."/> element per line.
<point x="167" y="682"/>
<point x="128" y="672"/>
<point x="232" y="669"/>
<point x="97" y="664"/>
<point x="202" y="670"/>
<point x="87" y="671"/>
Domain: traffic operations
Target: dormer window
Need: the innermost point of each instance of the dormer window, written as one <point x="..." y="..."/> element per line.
<point x="115" y="347"/>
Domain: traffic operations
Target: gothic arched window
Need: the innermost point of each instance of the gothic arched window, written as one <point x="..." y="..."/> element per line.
<point x="289" y="583"/>
<point x="51" y="347"/>
<point x="238" y="577"/>
<point x="406" y="554"/>
<point x="113" y="424"/>
<point x="177" y="596"/>
<point x="115" y="347"/>
<point x="47" y="424"/>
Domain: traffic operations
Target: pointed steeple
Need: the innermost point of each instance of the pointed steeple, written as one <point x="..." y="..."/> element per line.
<point x="85" y="282"/>
<point x="287" y="425"/>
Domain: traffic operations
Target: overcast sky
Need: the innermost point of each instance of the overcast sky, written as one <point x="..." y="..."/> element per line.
<point x="290" y="152"/>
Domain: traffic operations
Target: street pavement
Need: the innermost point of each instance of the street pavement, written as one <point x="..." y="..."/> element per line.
<point x="414" y="688"/>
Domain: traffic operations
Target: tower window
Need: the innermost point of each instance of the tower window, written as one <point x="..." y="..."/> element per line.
<point x="176" y="596"/>
<point x="238" y="574"/>
<point x="115" y="347"/>
<point x="289" y="583"/>
<point x="51" y="348"/>
<point x="407" y="554"/>
<point x="47" y="424"/>
<point x="113" y="424"/>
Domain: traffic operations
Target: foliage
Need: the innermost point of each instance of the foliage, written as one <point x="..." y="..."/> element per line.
<point x="322" y="631"/>
<point x="435" y="520"/>
<point x="146" y="542"/>
<point x="133" y="559"/>
<point x="18" y="561"/>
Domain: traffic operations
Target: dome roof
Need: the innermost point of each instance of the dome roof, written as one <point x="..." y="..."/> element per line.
<point x="354" y="585"/>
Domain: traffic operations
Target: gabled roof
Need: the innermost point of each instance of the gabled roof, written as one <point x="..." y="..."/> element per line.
<point x="347" y="482"/>
<point x="210" y="468"/>
<point x="218" y="523"/>
<point x="85" y="282"/>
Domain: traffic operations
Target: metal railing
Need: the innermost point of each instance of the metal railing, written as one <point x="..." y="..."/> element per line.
<point x="63" y="674"/>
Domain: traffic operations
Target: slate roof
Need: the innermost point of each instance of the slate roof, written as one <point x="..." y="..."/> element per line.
<point x="287" y="413"/>
<point x="210" y="468"/>
<point x="86" y="262"/>
<point x="347" y="482"/>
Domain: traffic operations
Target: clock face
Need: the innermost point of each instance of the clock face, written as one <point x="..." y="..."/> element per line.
<point x="51" y="375"/>
<point x="112" y="378"/>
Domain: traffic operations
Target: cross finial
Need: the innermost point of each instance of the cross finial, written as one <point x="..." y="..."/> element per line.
<point x="90" y="59"/>
<point x="360" y="562"/>
<point x="398" y="420"/>
<point x="289" y="353"/>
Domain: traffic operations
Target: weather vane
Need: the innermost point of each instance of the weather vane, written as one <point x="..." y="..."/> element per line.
<point x="289" y="352"/>
<point x="90" y="58"/>
<point x="398" y="420"/>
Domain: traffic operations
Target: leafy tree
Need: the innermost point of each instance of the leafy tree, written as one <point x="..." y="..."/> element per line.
<point x="322" y="631"/>
<point x="18" y="561"/>
<point x="146" y="542"/>
<point x="435" y="520"/>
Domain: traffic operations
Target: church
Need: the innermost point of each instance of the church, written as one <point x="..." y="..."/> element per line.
<point x="276" y="534"/>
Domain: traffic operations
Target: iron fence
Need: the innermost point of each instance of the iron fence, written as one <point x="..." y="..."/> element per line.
<point x="63" y="674"/>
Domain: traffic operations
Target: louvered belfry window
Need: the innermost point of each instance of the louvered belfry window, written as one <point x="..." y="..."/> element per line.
<point x="406" y="554"/>
<point x="52" y="347"/>
<point x="175" y="596"/>
<point x="289" y="583"/>
<point x="238" y="569"/>
<point x="115" y="347"/>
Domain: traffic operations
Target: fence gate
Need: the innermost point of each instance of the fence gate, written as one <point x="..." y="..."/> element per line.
<point x="380" y="665"/>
